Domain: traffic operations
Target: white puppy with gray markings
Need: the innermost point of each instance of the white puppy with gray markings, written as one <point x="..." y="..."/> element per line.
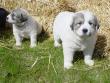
<point x="77" y="32"/>
<point x="24" y="26"/>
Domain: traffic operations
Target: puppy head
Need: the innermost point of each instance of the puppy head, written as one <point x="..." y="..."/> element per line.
<point x="84" y="24"/>
<point x="18" y="15"/>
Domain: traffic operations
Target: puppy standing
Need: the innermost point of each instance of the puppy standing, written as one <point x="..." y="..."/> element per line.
<point x="24" y="26"/>
<point x="78" y="32"/>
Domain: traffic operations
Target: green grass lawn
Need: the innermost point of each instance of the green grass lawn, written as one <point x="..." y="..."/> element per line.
<point x="44" y="64"/>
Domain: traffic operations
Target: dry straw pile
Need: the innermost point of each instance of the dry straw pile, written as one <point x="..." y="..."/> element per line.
<point x="45" y="11"/>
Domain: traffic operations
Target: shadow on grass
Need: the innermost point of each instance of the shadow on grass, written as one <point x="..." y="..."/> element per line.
<point x="98" y="52"/>
<point x="43" y="36"/>
<point x="5" y="34"/>
<point x="101" y="43"/>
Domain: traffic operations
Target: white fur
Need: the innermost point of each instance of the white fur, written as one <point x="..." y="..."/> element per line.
<point x="71" y="41"/>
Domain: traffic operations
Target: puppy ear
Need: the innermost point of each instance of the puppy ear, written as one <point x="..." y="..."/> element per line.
<point x="73" y="22"/>
<point x="24" y="17"/>
<point x="97" y="25"/>
<point x="96" y="22"/>
<point x="72" y="26"/>
<point x="78" y="17"/>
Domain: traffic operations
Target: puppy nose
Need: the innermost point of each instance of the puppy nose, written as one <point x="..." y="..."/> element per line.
<point x="85" y="30"/>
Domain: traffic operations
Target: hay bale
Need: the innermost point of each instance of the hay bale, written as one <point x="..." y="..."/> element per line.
<point x="45" y="11"/>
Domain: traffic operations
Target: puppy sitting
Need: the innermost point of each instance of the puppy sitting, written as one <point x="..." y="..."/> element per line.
<point x="78" y="32"/>
<point x="24" y="26"/>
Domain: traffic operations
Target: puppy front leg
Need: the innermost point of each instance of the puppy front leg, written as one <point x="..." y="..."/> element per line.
<point x="33" y="38"/>
<point x="18" y="39"/>
<point x="56" y="41"/>
<point x="88" y="56"/>
<point x="68" y="57"/>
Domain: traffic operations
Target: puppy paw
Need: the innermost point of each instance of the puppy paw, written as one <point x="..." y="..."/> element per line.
<point x="56" y="44"/>
<point x="18" y="47"/>
<point x="89" y="62"/>
<point x="67" y="65"/>
<point x="32" y="45"/>
<point x="18" y="44"/>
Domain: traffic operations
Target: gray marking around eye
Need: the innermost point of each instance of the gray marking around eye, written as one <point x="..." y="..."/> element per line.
<point x="94" y="22"/>
<point x="77" y="19"/>
<point x="21" y="15"/>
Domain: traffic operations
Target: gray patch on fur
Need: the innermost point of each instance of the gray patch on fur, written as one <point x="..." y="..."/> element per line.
<point x="94" y="23"/>
<point x="19" y="15"/>
<point x="78" y="20"/>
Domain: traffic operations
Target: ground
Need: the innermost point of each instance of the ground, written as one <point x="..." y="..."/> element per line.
<point x="44" y="64"/>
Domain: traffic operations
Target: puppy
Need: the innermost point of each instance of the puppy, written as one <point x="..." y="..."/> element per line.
<point x="77" y="32"/>
<point x="3" y="15"/>
<point x="24" y="26"/>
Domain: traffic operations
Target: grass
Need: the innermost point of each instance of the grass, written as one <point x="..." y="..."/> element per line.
<point x="44" y="64"/>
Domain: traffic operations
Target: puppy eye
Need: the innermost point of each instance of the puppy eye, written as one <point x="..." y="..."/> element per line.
<point x="79" y="23"/>
<point x="90" y="23"/>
